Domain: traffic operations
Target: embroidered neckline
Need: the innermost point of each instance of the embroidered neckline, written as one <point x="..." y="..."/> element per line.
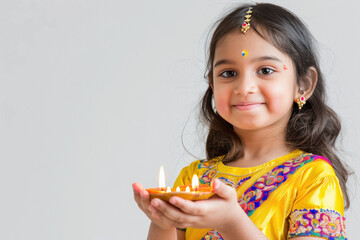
<point x="240" y="171"/>
<point x="215" y="168"/>
<point x="255" y="195"/>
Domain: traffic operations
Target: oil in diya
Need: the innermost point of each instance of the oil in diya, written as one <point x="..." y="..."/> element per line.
<point x="194" y="192"/>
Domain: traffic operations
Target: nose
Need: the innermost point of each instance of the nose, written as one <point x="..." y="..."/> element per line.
<point x="245" y="84"/>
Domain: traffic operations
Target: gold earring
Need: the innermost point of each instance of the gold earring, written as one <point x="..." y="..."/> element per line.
<point x="301" y="101"/>
<point x="213" y="104"/>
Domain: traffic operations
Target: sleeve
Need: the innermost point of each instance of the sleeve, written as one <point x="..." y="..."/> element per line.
<point x="186" y="174"/>
<point x="319" y="206"/>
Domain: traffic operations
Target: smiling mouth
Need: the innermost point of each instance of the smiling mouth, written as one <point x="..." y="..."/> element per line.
<point x="247" y="106"/>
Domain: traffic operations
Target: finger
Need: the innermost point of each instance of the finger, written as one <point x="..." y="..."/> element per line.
<point x="189" y="207"/>
<point x="144" y="199"/>
<point x="141" y="196"/>
<point x="136" y="189"/>
<point x="172" y="213"/>
<point x="222" y="190"/>
<point x="161" y="217"/>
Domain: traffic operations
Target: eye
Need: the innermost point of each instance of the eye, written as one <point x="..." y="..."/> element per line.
<point x="228" y="74"/>
<point x="265" y="71"/>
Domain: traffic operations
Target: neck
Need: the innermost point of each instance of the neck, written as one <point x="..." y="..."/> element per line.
<point x="262" y="145"/>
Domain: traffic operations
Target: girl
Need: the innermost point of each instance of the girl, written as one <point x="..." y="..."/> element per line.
<point x="270" y="147"/>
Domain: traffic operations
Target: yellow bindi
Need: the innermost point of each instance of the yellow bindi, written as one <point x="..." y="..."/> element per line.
<point x="244" y="53"/>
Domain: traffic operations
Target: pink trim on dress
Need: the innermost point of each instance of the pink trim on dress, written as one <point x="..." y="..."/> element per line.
<point x="323" y="158"/>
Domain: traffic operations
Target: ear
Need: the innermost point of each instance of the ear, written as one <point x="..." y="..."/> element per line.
<point x="211" y="84"/>
<point x="308" y="83"/>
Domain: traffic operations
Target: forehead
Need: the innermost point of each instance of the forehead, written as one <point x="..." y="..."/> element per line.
<point x="232" y="45"/>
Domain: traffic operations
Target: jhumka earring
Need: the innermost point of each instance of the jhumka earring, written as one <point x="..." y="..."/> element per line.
<point x="301" y="100"/>
<point x="213" y="104"/>
<point x="246" y="25"/>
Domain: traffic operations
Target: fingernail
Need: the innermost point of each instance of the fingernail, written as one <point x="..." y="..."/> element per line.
<point x="215" y="183"/>
<point x="155" y="203"/>
<point x="172" y="201"/>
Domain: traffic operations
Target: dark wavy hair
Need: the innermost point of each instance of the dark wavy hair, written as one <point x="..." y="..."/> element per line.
<point x="315" y="127"/>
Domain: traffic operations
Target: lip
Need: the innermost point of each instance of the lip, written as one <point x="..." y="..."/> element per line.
<point x="247" y="105"/>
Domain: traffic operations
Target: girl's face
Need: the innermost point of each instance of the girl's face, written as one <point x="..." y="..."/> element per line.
<point x="254" y="84"/>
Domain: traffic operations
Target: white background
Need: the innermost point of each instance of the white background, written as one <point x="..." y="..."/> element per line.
<point x="95" y="95"/>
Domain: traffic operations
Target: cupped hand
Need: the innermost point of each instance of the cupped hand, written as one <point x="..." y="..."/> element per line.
<point x="143" y="200"/>
<point x="219" y="212"/>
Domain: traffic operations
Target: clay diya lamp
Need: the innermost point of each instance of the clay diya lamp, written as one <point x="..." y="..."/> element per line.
<point x="194" y="192"/>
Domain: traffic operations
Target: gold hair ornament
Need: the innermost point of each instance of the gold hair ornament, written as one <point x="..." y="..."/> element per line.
<point x="246" y="25"/>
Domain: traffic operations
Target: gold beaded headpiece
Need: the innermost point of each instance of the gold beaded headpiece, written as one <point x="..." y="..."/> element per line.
<point x="246" y="24"/>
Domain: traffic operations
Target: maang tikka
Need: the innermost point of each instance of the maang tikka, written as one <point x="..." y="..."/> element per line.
<point x="246" y="25"/>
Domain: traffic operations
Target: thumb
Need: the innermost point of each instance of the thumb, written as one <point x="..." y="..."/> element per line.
<point x="222" y="190"/>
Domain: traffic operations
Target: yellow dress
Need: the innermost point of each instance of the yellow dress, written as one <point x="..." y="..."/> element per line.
<point x="295" y="195"/>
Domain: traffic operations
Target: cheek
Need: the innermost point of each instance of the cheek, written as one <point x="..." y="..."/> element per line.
<point x="220" y="104"/>
<point x="221" y="101"/>
<point x="280" y="104"/>
<point x="280" y="99"/>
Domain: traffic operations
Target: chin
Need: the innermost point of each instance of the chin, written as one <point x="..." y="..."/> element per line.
<point x="248" y="127"/>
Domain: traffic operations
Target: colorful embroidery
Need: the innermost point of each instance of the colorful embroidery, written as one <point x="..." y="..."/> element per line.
<point x="242" y="181"/>
<point x="259" y="192"/>
<point x="270" y="181"/>
<point x="227" y="181"/>
<point x="318" y="223"/>
<point x="210" y="173"/>
<point x="212" y="235"/>
<point x="207" y="176"/>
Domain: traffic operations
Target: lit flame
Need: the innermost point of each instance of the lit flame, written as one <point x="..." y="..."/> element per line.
<point x="178" y="189"/>
<point x="195" y="183"/>
<point x="162" y="179"/>
<point x="168" y="189"/>
<point x="187" y="189"/>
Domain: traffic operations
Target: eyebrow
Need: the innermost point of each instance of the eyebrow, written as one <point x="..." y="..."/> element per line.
<point x="262" y="58"/>
<point x="223" y="61"/>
